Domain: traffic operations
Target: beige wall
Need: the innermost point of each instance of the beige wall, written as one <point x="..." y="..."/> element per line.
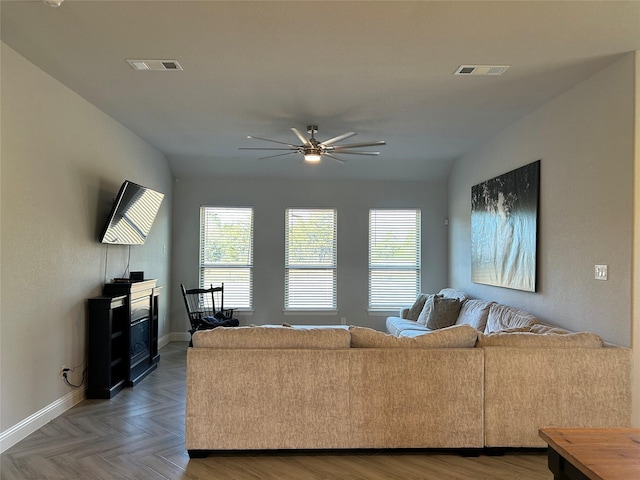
<point x="63" y="161"/>
<point x="585" y="140"/>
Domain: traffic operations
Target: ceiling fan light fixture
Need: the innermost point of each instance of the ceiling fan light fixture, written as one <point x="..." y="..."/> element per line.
<point x="313" y="155"/>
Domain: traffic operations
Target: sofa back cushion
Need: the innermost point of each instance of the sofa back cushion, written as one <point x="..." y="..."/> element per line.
<point x="502" y="317"/>
<point x="474" y="313"/>
<point x="457" y="336"/>
<point x="544" y="328"/>
<point x="536" y="340"/>
<point x="272" y="337"/>
<point x="453" y="293"/>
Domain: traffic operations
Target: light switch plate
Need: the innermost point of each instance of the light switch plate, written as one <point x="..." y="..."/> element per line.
<point x="601" y="272"/>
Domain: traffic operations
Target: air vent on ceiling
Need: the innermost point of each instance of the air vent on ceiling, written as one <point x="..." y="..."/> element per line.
<point x="156" y="65"/>
<point x="481" y="69"/>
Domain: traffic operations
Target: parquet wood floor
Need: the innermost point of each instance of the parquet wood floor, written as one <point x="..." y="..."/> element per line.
<point x="139" y="435"/>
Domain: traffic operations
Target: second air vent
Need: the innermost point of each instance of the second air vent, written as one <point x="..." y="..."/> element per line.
<point x="155" y="65"/>
<point x="481" y="69"/>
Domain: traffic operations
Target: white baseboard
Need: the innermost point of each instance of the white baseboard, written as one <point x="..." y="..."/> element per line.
<point x="26" y="427"/>
<point x="162" y="341"/>
<point x="179" y="337"/>
<point x="173" y="337"/>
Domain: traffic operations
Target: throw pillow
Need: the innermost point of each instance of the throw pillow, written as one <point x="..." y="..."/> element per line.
<point x="414" y="311"/>
<point x="426" y="310"/>
<point x="444" y="313"/>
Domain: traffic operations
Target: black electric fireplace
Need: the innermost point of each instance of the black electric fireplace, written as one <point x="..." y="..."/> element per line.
<point x="123" y="336"/>
<point x="140" y="342"/>
<point x="139" y="335"/>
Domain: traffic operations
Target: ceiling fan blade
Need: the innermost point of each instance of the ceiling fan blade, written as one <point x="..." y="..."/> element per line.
<point x="267" y="140"/>
<point x="348" y="152"/>
<point x="356" y="145"/>
<point x="335" y="158"/>
<point x="305" y="141"/>
<point x="337" y="139"/>
<point x="278" y="155"/>
<point x="293" y="149"/>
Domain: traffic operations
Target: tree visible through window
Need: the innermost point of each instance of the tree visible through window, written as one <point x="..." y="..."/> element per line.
<point x="310" y="259"/>
<point x="394" y="258"/>
<point x="226" y="253"/>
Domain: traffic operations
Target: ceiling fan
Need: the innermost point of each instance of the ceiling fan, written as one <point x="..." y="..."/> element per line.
<point x="313" y="150"/>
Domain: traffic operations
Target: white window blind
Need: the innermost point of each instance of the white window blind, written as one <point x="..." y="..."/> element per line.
<point x="310" y="259"/>
<point x="394" y="258"/>
<point x="226" y="253"/>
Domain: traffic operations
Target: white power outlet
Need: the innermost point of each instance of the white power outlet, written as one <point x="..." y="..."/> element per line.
<point x="62" y="369"/>
<point x="601" y="272"/>
<point x="343" y="320"/>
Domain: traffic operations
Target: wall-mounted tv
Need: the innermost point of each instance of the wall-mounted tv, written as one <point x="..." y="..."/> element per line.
<point x="134" y="210"/>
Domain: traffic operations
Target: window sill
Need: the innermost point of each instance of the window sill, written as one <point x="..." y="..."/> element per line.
<point x="332" y="313"/>
<point x="383" y="313"/>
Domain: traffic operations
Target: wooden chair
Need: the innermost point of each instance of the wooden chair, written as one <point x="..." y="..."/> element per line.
<point x="202" y="308"/>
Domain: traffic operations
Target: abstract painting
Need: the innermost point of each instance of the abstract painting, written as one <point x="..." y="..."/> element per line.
<point x="504" y="229"/>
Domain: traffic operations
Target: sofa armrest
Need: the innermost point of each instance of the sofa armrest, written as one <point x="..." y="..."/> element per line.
<point x="530" y="388"/>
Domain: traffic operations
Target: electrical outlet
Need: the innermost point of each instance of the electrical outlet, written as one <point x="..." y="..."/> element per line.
<point x="343" y="320"/>
<point x="63" y="369"/>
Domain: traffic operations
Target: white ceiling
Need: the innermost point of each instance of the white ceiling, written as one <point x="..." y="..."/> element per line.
<point x="382" y="69"/>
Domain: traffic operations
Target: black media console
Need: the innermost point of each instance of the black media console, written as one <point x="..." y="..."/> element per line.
<point x="123" y="336"/>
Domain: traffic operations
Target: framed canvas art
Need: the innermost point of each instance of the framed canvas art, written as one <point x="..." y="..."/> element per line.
<point x="504" y="229"/>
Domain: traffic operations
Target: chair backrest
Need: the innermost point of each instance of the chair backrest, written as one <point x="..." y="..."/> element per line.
<point x="201" y="302"/>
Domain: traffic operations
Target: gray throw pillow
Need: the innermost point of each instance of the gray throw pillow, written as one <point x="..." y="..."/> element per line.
<point x="444" y="312"/>
<point x="426" y="310"/>
<point x="417" y="307"/>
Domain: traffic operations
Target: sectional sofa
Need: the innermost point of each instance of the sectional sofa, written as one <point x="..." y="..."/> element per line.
<point x="257" y="388"/>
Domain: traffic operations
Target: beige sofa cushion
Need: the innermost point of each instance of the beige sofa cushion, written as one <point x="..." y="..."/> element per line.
<point x="457" y="336"/>
<point x="535" y="340"/>
<point x="502" y="317"/>
<point x="542" y="328"/>
<point x="272" y="337"/>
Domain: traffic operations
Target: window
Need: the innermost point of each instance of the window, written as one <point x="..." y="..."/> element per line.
<point x="394" y="258"/>
<point x="226" y="253"/>
<point x="310" y="259"/>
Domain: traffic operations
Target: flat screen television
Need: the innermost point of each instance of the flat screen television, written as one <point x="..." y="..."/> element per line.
<point x="134" y="210"/>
